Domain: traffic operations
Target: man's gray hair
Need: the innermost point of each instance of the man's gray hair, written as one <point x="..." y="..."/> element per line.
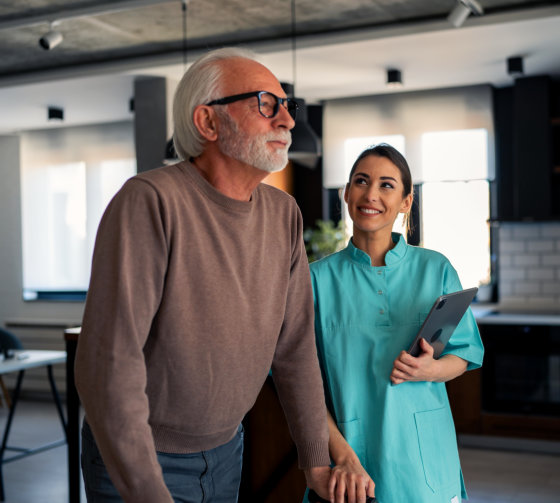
<point x="200" y="84"/>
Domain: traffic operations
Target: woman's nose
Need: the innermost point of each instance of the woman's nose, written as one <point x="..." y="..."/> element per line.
<point x="372" y="193"/>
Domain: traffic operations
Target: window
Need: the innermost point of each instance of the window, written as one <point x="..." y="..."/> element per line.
<point x="68" y="175"/>
<point x="455" y="203"/>
<point x="61" y="208"/>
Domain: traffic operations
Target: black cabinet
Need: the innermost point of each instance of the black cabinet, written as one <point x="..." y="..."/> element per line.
<point x="527" y="131"/>
<point x="555" y="147"/>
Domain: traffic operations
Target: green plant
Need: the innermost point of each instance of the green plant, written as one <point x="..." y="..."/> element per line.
<point x="323" y="239"/>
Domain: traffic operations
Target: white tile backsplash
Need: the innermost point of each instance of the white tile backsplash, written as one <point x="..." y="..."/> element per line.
<point x="529" y="264"/>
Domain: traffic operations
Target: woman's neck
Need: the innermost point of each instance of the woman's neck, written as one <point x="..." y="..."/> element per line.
<point x="375" y="244"/>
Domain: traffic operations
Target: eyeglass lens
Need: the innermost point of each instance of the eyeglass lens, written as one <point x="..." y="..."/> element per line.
<point x="269" y="103"/>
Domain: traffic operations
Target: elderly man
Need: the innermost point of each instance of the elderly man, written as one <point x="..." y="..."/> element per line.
<point x="200" y="286"/>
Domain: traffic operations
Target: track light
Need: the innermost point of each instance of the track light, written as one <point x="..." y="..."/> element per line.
<point x="394" y="78"/>
<point x="462" y="11"/>
<point x="515" y="66"/>
<point x="55" y="113"/>
<point x="51" y="39"/>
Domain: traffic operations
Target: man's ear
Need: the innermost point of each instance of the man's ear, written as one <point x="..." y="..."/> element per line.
<point x="205" y="121"/>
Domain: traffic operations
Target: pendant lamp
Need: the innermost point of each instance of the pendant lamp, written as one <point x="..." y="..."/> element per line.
<point x="306" y="145"/>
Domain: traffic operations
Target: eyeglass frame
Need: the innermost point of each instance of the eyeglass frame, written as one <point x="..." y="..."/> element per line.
<point x="279" y="101"/>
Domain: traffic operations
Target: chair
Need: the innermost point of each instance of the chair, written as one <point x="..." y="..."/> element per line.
<point x="8" y="341"/>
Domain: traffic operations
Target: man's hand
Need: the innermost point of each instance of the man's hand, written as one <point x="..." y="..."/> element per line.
<point x="318" y="479"/>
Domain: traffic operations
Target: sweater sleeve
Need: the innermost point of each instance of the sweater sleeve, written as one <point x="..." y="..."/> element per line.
<point x="128" y="270"/>
<point x="295" y="368"/>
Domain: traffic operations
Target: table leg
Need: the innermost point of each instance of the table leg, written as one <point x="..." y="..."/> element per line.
<point x="73" y="425"/>
<point x="15" y="398"/>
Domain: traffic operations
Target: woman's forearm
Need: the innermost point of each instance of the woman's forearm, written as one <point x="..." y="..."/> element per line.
<point x="449" y="367"/>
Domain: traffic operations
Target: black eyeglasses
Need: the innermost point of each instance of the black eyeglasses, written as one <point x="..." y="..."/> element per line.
<point x="269" y="103"/>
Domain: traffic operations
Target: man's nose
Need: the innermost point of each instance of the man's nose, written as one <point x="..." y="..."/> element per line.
<point x="283" y="118"/>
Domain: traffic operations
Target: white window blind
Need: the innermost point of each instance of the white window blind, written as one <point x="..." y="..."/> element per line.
<point x="68" y="177"/>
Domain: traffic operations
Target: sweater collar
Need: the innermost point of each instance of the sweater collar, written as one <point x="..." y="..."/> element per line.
<point x="393" y="256"/>
<point x="216" y="196"/>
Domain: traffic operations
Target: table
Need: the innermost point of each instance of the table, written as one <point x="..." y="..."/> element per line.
<point x="20" y="362"/>
<point x="73" y="412"/>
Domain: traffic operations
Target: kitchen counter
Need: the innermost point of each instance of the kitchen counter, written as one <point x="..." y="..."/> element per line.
<point x="493" y="314"/>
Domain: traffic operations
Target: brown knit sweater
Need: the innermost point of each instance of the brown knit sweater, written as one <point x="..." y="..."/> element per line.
<point x="193" y="298"/>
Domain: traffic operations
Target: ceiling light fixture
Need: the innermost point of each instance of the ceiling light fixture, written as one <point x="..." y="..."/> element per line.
<point x="515" y="66"/>
<point x="55" y="114"/>
<point x="394" y="78"/>
<point x="306" y="145"/>
<point x="462" y="10"/>
<point x="51" y="39"/>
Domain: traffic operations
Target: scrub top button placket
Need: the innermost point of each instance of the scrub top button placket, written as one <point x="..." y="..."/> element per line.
<point x="383" y="308"/>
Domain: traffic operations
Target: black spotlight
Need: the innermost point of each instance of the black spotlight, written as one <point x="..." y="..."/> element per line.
<point x="55" y="113"/>
<point x="394" y="78"/>
<point x="515" y="66"/>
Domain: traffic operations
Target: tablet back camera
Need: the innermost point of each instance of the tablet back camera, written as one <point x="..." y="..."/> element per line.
<point x="436" y="335"/>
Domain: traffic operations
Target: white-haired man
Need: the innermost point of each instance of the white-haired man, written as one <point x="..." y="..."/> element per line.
<point x="200" y="286"/>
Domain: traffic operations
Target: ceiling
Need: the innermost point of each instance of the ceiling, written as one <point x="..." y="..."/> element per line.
<point x="342" y="48"/>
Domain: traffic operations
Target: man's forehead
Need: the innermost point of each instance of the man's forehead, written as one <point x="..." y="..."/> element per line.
<point x="245" y="75"/>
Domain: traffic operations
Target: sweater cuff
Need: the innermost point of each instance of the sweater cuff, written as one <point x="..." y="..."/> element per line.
<point x="313" y="454"/>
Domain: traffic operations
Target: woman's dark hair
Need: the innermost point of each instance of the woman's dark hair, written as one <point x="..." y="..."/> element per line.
<point x="391" y="153"/>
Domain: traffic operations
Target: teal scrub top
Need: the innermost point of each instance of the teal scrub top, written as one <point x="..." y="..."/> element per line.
<point x="364" y="317"/>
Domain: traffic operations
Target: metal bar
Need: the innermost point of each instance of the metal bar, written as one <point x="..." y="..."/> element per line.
<point x="15" y="398"/>
<point x="56" y="398"/>
<point x="34" y="450"/>
<point x="73" y="13"/>
<point x="73" y="414"/>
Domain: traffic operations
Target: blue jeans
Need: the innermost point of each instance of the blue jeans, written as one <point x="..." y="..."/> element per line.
<point x="203" y="477"/>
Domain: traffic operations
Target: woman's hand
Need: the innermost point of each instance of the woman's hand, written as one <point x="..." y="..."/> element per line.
<point x="350" y="483"/>
<point x="411" y="368"/>
<point x="425" y="368"/>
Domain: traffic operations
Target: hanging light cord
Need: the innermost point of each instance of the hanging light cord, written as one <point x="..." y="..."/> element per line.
<point x="294" y="45"/>
<point x="184" y="9"/>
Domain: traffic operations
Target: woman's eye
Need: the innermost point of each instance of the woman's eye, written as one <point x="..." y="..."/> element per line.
<point x="387" y="185"/>
<point x="360" y="181"/>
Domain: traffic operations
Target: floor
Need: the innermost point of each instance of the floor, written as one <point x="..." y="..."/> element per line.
<point x="492" y="476"/>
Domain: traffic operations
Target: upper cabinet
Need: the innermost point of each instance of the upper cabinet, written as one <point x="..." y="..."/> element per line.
<point x="527" y="127"/>
<point x="555" y="139"/>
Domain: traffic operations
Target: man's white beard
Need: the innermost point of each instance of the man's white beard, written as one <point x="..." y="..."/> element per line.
<point x="253" y="150"/>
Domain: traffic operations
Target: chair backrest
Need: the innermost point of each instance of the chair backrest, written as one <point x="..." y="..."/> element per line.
<point x="9" y="340"/>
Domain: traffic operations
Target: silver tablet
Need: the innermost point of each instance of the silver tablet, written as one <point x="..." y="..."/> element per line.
<point x="445" y="315"/>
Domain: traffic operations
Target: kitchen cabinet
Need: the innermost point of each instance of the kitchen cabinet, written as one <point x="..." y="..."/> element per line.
<point x="527" y="132"/>
<point x="517" y="391"/>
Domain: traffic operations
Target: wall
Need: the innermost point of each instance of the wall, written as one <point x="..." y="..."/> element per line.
<point x="529" y="265"/>
<point x="410" y="114"/>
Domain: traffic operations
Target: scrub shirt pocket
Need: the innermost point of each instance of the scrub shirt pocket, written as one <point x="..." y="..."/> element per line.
<point x="352" y="432"/>
<point x="438" y="448"/>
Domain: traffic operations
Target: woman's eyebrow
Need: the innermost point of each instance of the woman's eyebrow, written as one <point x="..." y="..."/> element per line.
<point x="359" y="173"/>
<point x="388" y="178"/>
